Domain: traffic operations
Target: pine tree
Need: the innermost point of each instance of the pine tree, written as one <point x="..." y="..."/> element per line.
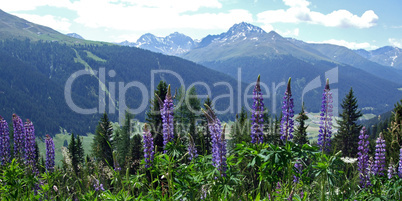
<point x="72" y="150"/>
<point x="123" y="141"/>
<point x="80" y="150"/>
<point x="102" y="144"/>
<point x="348" y="132"/>
<point x="274" y="135"/>
<point x="393" y="134"/>
<point x="300" y="136"/>
<point x="187" y="114"/>
<point x="154" y="117"/>
<point x="241" y="129"/>
<point x="136" y="153"/>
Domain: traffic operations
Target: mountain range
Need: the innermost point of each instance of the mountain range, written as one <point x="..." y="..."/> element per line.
<point x="178" y="44"/>
<point x="37" y="62"/>
<point x="387" y="56"/>
<point x="250" y="50"/>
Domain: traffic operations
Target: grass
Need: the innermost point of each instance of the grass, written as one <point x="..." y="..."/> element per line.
<point x="94" y="57"/>
<point x="58" y="140"/>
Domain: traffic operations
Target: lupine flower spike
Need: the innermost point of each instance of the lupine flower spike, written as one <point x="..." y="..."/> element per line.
<point x="192" y="151"/>
<point x="116" y="165"/>
<point x="298" y="170"/>
<point x="218" y="141"/>
<point x="287" y="115"/>
<point x="19" y="137"/>
<point x="400" y="164"/>
<point x="391" y="169"/>
<point x="363" y="159"/>
<point x="49" y="154"/>
<point x="379" y="159"/>
<point x="257" y="114"/>
<point x="167" y="119"/>
<point x="30" y="150"/>
<point x="324" y="136"/>
<point x="4" y="142"/>
<point x="148" y="147"/>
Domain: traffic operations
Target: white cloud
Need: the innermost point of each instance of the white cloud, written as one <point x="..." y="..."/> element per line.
<point x="296" y="3"/>
<point x="148" y="17"/>
<point x="57" y="23"/>
<point x="294" y="32"/>
<point x="25" y="5"/>
<point x="299" y="12"/>
<point x="395" y="42"/>
<point x="267" y="27"/>
<point x="350" y="45"/>
<point x="177" y="5"/>
<point x="128" y="37"/>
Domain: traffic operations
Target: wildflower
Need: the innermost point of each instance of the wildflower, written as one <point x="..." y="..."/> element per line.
<point x="4" y="142"/>
<point x="400" y="164"/>
<point x="298" y="170"/>
<point x="192" y="151"/>
<point x="30" y="145"/>
<point x="363" y="159"/>
<point x="391" y="169"/>
<point x="98" y="186"/>
<point x="324" y="136"/>
<point x="287" y="115"/>
<point x="49" y="153"/>
<point x="19" y="137"/>
<point x="203" y="192"/>
<point x="257" y="114"/>
<point x="218" y="141"/>
<point x="148" y="147"/>
<point x="167" y="119"/>
<point x="116" y="165"/>
<point x="379" y="159"/>
<point x="349" y="160"/>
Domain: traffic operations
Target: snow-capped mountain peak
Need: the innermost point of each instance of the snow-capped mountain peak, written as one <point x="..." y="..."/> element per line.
<point x="245" y="28"/>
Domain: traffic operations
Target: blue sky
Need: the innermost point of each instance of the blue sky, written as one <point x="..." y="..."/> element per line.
<point x="367" y="24"/>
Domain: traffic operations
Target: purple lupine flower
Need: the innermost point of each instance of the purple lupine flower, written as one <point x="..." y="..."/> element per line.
<point x="287" y="115"/>
<point x="324" y="136"/>
<point x="19" y="137"/>
<point x="49" y="154"/>
<point x="30" y="145"/>
<point x="257" y="114"/>
<point x="298" y="170"/>
<point x="391" y="170"/>
<point x="218" y="141"/>
<point x="167" y="119"/>
<point x="363" y="159"/>
<point x="379" y="159"/>
<point x="98" y="186"/>
<point x="148" y="147"/>
<point x="116" y="165"/>
<point x="4" y="142"/>
<point x="192" y="151"/>
<point x="400" y="164"/>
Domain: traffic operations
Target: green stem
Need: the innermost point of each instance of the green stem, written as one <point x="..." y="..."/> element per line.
<point x="323" y="188"/>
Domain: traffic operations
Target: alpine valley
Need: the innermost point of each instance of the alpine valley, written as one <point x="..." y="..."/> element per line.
<point x="37" y="64"/>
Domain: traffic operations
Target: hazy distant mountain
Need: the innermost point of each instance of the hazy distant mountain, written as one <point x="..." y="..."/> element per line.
<point x="387" y="56"/>
<point x="174" y="44"/>
<point x="74" y="35"/>
<point x="347" y="56"/>
<point x="252" y="51"/>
